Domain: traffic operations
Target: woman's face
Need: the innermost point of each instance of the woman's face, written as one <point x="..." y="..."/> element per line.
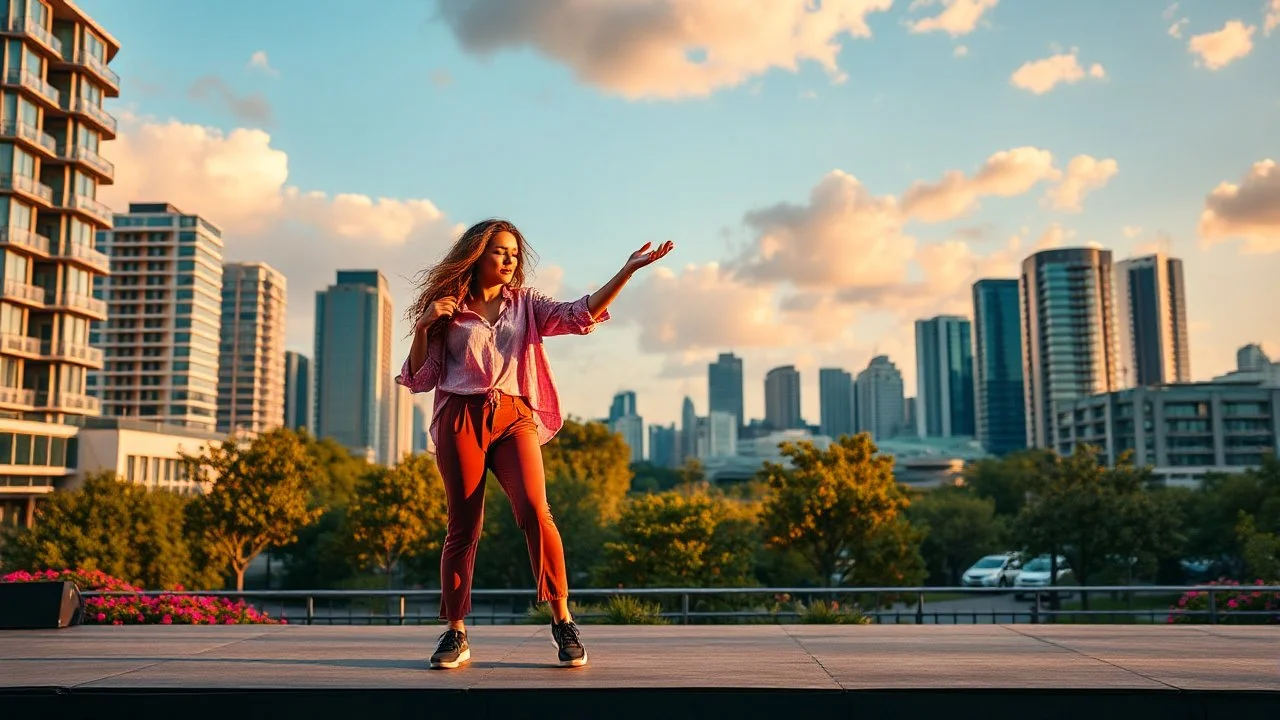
<point x="498" y="264"/>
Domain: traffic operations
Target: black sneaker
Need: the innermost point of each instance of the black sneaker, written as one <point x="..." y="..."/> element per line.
<point x="452" y="651"/>
<point x="572" y="653"/>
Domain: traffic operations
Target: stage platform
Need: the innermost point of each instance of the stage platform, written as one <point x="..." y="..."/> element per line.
<point x="652" y="672"/>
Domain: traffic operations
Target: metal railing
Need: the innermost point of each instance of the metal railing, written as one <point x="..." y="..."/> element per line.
<point x="100" y="68"/>
<point x="85" y="155"/>
<point x="92" y="256"/>
<point x="23" y="291"/>
<point x="25" y="25"/>
<point x="17" y="396"/>
<point x="18" y="343"/>
<point x="25" y="238"/>
<point x="30" y="80"/>
<point x="22" y="183"/>
<point x="881" y="605"/>
<point x="27" y="131"/>
<point x="86" y="107"/>
<point x="86" y="204"/>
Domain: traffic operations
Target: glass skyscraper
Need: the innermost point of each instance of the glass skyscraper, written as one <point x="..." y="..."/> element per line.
<point x="1151" y="304"/>
<point x="944" y="377"/>
<point x="998" y="388"/>
<point x="353" y="364"/>
<point x="1069" y="348"/>
<point x="724" y="386"/>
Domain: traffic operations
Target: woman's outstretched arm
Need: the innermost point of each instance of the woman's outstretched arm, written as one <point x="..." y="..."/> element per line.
<point x="600" y="299"/>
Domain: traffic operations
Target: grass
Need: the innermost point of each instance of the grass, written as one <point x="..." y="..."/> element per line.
<point x="1141" y="601"/>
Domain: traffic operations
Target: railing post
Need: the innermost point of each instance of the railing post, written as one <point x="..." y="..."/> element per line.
<point x="401" y="609"/>
<point x="919" y="608"/>
<point x="684" y="608"/>
<point x="311" y="609"/>
<point x="1213" y="608"/>
<point x="1035" y="610"/>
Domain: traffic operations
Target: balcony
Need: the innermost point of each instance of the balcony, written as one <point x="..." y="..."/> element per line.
<point x="92" y="111"/>
<point x="17" y="397"/>
<point x="86" y="255"/>
<point x="35" y="83"/>
<point x="104" y="168"/>
<point x="40" y="141"/>
<point x="104" y="73"/>
<point x="72" y="352"/>
<point x="81" y="304"/>
<point x="17" y="344"/>
<point x="94" y="209"/>
<point x="34" y="189"/>
<point x="71" y="403"/>
<point x="24" y="239"/>
<point x="26" y="27"/>
<point x="24" y="293"/>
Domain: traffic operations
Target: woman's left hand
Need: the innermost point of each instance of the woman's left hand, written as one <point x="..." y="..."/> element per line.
<point x="645" y="256"/>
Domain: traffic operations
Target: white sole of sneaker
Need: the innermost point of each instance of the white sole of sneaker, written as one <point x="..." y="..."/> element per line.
<point x="463" y="658"/>
<point x="575" y="663"/>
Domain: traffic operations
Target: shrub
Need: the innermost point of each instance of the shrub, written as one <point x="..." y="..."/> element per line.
<point x="1239" y="599"/>
<point x="820" y="613"/>
<point x="164" y="609"/>
<point x="617" y="610"/>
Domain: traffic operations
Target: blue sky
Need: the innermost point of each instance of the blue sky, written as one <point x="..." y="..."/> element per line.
<point x="392" y="104"/>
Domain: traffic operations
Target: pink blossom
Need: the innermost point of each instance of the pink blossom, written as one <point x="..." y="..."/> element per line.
<point x="166" y="620"/>
<point x="1232" y="603"/>
<point x="102" y="617"/>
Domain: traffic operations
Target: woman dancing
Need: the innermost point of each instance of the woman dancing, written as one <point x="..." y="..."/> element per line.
<point x="477" y="341"/>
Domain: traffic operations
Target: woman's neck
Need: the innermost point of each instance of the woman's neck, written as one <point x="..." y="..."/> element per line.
<point x="486" y="294"/>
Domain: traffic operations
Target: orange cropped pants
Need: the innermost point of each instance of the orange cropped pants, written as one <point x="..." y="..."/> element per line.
<point x="493" y="432"/>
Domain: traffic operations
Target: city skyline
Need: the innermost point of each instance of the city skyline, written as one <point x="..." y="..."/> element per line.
<point x="1073" y="156"/>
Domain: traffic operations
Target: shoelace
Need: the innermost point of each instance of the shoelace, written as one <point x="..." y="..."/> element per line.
<point x="569" y="636"/>
<point x="450" y="640"/>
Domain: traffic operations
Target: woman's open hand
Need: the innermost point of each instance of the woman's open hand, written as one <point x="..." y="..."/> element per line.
<point x="644" y="256"/>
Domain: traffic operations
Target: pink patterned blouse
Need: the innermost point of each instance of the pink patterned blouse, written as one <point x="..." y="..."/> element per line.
<point x="476" y="358"/>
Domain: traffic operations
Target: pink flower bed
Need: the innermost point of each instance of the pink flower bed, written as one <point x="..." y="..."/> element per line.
<point x="1240" y="598"/>
<point x="164" y="609"/>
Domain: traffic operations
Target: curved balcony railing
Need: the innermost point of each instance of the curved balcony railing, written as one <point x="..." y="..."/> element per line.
<point x="93" y="207"/>
<point x="93" y="110"/>
<point x="100" y="69"/>
<point x="22" y="25"/>
<point x="31" y="186"/>
<point x="76" y="301"/>
<point x="18" y="343"/>
<point x="75" y="352"/>
<point x="17" y="396"/>
<point x="93" y="257"/>
<point x="16" y="290"/>
<point x="24" y="238"/>
<point x="30" y="133"/>
<point x="83" y="154"/>
<point x="30" y="80"/>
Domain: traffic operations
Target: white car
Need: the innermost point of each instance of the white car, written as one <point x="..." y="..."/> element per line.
<point x="1035" y="576"/>
<point x="992" y="571"/>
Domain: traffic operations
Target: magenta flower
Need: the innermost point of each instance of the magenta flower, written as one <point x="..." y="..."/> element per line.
<point x="102" y="617"/>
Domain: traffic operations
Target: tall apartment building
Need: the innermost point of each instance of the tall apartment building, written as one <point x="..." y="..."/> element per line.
<point x="1151" y="321"/>
<point x="724" y="386"/>
<point x="353" y="364"/>
<point x="662" y="445"/>
<point x="835" y="402"/>
<point x="402" y="404"/>
<point x="52" y="128"/>
<point x="251" y="367"/>
<point x="624" y="404"/>
<point x="944" y="377"/>
<point x="999" y="395"/>
<point x="782" y="398"/>
<point x="298" y="387"/>
<point x="631" y="428"/>
<point x="688" y="440"/>
<point x="880" y="399"/>
<point x="164" y="296"/>
<point x="1069" y="337"/>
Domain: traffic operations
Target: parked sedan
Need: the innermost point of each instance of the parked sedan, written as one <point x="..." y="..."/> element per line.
<point x="1035" y="576"/>
<point x="992" y="571"/>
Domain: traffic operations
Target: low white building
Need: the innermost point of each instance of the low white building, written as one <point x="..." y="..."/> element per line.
<point x="145" y="453"/>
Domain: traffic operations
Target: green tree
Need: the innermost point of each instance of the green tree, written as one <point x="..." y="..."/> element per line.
<point x="396" y="512"/>
<point x="959" y="527"/>
<point x="680" y="539"/>
<point x="259" y="497"/>
<point x="647" y="477"/>
<point x="1225" y="499"/>
<point x="1095" y="516"/>
<point x="122" y="529"/>
<point x="842" y="510"/>
<point x="1007" y="479"/>
<point x="316" y="559"/>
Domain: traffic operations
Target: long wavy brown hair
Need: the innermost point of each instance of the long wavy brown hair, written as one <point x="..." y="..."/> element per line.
<point x="455" y="274"/>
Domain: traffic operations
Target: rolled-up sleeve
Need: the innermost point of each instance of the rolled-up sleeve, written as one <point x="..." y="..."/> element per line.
<point x="428" y="376"/>
<point x="564" y="318"/>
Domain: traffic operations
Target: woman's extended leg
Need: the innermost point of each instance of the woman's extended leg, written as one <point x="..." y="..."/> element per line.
<point x="517" y="463"/>
<point x="460" y="457"/>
